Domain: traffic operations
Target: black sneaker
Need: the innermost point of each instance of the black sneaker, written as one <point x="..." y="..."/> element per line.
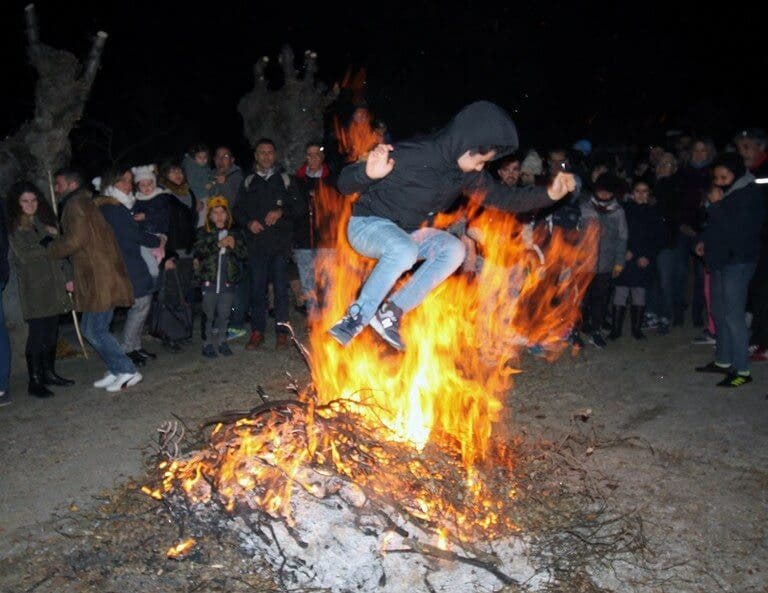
<point x="225" y="350"/>
<point x="136" y="358"/>
<point x="733" y="379"/>
<point x="209" y="351"/>
<point x="348" y="326"/>
<point x="386" y="322"/>
<point x="146" y="354"/>
<point x="712" y="367"/>
<point x="597" y="340"/>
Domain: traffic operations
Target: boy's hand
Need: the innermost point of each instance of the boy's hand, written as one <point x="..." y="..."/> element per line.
<point x="273" y="216"/>
<point x="616" y="272"/>
<point x="255" y="227"/>
<point x="379" y="164"/>
<point x="561" y="186"/>
<point x="643" y="262"/>
<point x="699" y="249"/>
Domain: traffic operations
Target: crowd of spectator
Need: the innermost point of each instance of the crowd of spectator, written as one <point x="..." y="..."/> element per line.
<point x="682" y="232"/>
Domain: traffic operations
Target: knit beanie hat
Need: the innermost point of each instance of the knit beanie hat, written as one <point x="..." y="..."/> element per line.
<point x="144" y="172"/>
<point x="217" y="202"/>
<point x="532" y="163"/>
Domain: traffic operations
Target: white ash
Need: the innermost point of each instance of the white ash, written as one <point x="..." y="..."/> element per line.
<point x="344" y="543"/>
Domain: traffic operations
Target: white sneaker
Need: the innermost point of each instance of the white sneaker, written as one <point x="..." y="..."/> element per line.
<point x="123" y="381"/>
<point x="105" y="381"/>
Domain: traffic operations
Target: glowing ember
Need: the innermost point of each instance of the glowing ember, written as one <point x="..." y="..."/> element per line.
<point x="180" y="550"/>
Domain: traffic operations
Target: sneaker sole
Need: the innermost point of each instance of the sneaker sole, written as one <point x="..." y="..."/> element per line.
<point x="379" y="329"/>
<point x="343" y="340"/>
<point x="129" y="383"/>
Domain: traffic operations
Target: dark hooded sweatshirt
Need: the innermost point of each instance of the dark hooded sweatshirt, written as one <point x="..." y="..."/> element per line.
<point x="426" y="178"/>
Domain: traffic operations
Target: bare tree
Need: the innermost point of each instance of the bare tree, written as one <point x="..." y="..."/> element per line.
<point x="291" y="115"/>
<point x="41" y="145"/>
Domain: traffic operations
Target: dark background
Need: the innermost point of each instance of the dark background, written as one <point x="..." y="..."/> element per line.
<point x="625" y="74"/>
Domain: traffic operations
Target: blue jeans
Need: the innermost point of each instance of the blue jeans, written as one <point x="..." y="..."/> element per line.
<point x="95" y="328"/>
<point x="305" y="261"/>
<point x="729" y="289"/>
<point x="5" y="347"/>
<point x="397" y="252"/>
<point x="263" y="268"/>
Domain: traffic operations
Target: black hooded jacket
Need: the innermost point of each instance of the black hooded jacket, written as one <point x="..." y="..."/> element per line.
<point x="426" y="178"/>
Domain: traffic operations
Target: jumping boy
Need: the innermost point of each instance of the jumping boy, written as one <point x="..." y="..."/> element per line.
<point x="402" y="188"/>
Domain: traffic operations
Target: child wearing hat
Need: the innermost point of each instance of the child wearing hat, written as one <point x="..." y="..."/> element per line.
<point x="217" y="249"/>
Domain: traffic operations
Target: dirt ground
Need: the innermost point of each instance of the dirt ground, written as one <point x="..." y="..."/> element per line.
<point x="696" y="465"/>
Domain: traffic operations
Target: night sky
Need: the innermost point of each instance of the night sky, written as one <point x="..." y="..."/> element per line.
<point x="172" y="74"/>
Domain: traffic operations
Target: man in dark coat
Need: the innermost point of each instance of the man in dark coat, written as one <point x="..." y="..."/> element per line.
<point x="402" y="188"/>
<point x="263" y="211"/>
<point x="753" y="148"/>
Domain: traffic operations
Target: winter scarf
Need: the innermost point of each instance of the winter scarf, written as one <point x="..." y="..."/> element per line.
<point x="145" y="198"/>
<point x="604" y="207"/>
<point x="127" y="200"/>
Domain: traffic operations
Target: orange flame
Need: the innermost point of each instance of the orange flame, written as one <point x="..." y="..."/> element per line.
<point x="445" y="391"/>
<point x="181" y="549"/>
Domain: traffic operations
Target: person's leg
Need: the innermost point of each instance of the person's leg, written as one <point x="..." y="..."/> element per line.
<point x="323" y="263"/>
<point x="736" y="290"/>
<point x="395" y="250"/>
<point x="95" y="328"/>
<point x="51" y="339"/>
<point x="637" y="310"/>
<point x="278" y="275"/>
<point x="241" y="301"/>
<point x="5" y="354"/>
<point x="223" y="309"/>
<point x="708" y="300"/>
<point x="442" y="253"/>
<point x="601" y="287"/>
<point x="34" y="353"/>
<point x="258" y="268"/>
<point x="666" y="265"/>
<point x="681" y="273"/>
<point x="209" y="309"/>
<point x="698" y="300"/>
<point x="758" y="299"/>
<point x="723" y="340"/>
<point x="134" y="323"/>
<point x="304" y="259"/>
<point x="620" y="295"/>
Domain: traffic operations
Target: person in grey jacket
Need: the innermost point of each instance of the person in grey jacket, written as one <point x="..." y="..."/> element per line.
<point x="604" y="209"/>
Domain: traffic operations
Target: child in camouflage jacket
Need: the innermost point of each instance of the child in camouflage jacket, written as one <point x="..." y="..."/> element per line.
<point x="216" y="249"/>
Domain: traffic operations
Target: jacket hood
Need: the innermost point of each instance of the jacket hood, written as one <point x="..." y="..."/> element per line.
<point x="740" y="183"/>
<point x="479" y="124"/>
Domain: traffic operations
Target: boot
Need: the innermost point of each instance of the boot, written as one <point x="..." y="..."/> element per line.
<point x="618" y="322"/>
<point x="636" y="316"/>
<point x="36" y="386"/>
<point x="49" y="370"/>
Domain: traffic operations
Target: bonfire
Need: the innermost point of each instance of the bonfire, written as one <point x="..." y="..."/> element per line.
<point x="385" y="454"/>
